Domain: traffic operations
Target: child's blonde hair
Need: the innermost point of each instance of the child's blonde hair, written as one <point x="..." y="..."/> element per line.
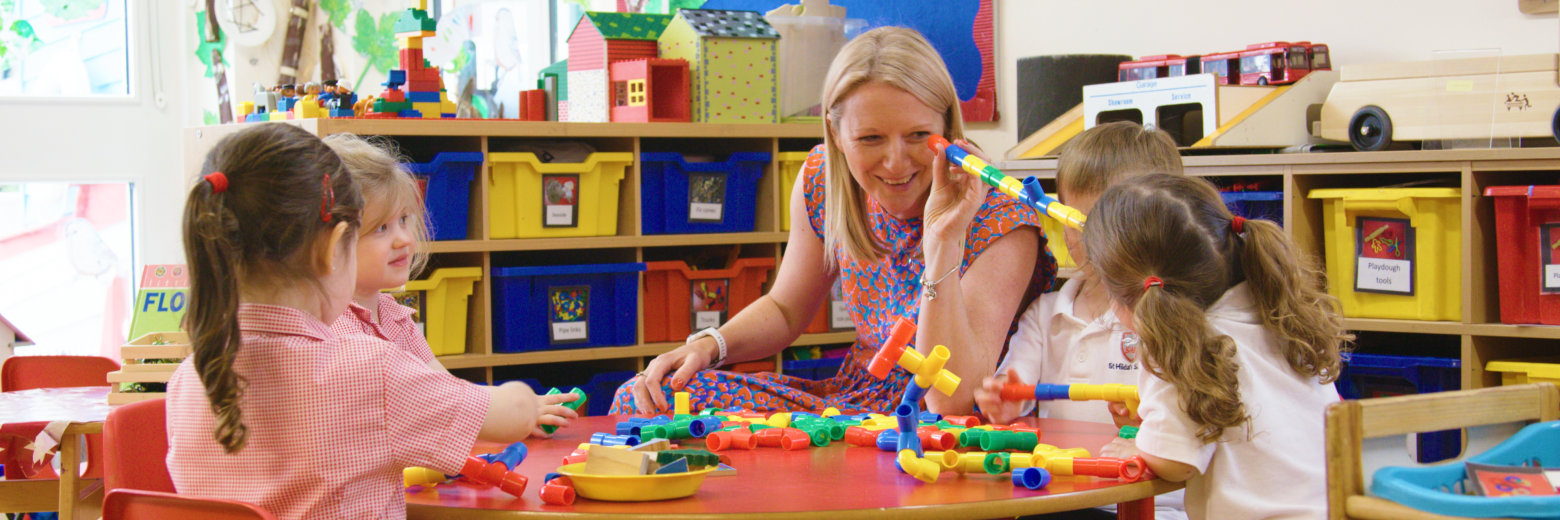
<point x="376" y="167"/>
<point x="1178" y="229"/>
<point x="1106" y="154"/>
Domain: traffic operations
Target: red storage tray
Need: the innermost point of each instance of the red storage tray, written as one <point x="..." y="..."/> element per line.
<point x="669" y="298"/>
<point x="1521" y="215"/>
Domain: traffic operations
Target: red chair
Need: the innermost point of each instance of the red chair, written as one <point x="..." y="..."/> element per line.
<point x="132" y="504"/>
<point x="136" y="435"/>
<point x="31" y="372"/>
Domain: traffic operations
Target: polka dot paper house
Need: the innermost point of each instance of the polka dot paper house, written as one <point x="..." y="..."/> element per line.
<point x="731" y="57"/>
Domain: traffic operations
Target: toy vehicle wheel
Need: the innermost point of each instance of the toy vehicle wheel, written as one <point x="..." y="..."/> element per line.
<point x="1370" y="130"/>
<point x="1262" y="81"/>
<point x="1554" y="124"/>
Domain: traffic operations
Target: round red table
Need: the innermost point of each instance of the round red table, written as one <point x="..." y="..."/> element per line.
<point x="840" y="481"/>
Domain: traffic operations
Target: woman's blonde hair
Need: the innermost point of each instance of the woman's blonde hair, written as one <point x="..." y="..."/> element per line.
<point x="898" y="57"/>
<point x="376" y="167"/>
<point x="1106" y="154"/>
<point x="1177" y="228"/>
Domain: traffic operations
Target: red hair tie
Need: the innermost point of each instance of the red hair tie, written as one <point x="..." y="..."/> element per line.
<point x="1153" y="281"/>
<point x="1238" y="224"/>
<point x="327" y="199"/>
<point x="218" y="182"/>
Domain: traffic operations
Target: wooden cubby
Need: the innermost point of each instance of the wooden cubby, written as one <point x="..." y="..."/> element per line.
<point x="1480" y="334"/>
<point x="421" y="140"/>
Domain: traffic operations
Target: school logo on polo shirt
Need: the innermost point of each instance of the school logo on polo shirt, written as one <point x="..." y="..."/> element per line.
<point x="1129" y="346"/>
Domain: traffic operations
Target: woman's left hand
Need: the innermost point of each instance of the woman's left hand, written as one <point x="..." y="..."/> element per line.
<point x="956" y="195"/>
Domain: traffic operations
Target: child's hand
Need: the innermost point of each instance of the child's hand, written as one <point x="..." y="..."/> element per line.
<point x="551" y="411"/>
<point x="1120" y="448"/>
<point x="989" y="397"/>
<point x="1123" y="416"/>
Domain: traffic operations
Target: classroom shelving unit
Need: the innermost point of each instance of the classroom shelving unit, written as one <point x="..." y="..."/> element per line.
<point x="421" y="140"/>
<point x="1479" y="336"/>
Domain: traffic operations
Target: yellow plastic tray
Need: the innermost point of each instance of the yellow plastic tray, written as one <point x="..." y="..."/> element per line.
<point x="634" y="488"/>
<point x="790" y="169"/>
<point x="515" y="209"/>
<point x="1529" y="370"/>
<point x="446" y="294"/>
<point x="1435" y="214"/>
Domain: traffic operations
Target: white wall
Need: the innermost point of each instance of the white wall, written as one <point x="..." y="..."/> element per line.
<point x="1357" y="31"/>
<point x="130" y="140"/>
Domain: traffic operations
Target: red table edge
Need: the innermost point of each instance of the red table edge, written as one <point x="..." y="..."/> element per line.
<point x="1008" y="507"/>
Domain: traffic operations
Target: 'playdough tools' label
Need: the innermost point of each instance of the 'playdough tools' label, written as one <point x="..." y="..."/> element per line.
<point x="560" y="200"/>
<point x="706" y="198"/>
<point x="708" y="303"/>
<point x="1548" y="243"/>
<point x="1384" y="248"/>
<point x="569" y="313"/>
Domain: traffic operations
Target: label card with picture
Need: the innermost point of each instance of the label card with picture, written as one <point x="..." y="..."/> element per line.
<point x="569" y="314"/>
<point x="560" y="200"/>
<point x="1548" y="246"/>
<point x="706" y="197"/>
<point x="839" y="310"/>
<point x="1384" y="250"/>
<point x="708" y="303"/>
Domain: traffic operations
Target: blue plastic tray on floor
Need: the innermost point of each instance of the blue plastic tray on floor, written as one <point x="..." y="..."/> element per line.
<point x="1437" y="489"/>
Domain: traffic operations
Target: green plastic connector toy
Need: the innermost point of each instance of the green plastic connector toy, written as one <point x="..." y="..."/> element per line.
<point x="818" y="433"/>
<point x="695" y="457"/>
<point x="1128" y="432"/>
<point x="971" y="437"/>
<point x="755" y="427"/>
<point x="998" y="463"/>
<point x="999" y="440"/>
<point x="576" y="405"/>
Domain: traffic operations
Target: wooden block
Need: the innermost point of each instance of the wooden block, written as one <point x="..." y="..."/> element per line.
<point x="608" y="461"/>
<point x="724" y="471"/>
<point x="676" y="466"/>
<point x="653" y="446"/>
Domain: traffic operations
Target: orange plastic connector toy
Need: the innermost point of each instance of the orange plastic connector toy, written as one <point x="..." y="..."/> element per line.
<point x="928" y="370"/>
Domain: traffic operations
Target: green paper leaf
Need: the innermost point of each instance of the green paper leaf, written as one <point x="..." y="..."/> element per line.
<point x="23" y="29"/>
<point x="70" y="9"/>
<point x="376" y="41"/>
<point x="204" y="50"/>
<point x="210" y="117"/>
<point x="338" y="11"/>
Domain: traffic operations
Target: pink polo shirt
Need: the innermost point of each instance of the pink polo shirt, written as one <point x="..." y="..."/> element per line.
<point x="395" y="325"/>
<point x="332" y="422"/>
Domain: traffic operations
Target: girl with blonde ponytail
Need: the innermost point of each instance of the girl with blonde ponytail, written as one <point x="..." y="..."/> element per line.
<point x="1240" y="341"/>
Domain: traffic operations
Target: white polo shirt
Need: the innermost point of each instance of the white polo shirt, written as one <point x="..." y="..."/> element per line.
<point x="1277" y="469"/>
<point x="1052" y="346"/>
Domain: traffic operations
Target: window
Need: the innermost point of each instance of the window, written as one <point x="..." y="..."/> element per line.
<point x="1178" y="70"/>
<point x="1319" y="59"/>
<point x="1216" y="67"/>
<point x="620" y="89"/>
<point x="76" y="48"/>
<point x="67" y="264"/>
<point x="636" y="92"/>
<point x="1255" y="64"/>
<point x="1297" y="58"/>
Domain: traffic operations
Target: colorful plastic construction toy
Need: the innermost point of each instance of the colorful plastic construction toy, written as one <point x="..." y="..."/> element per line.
<point x="574" y="405"/>
<point x="929" y="373"/>
<point x="1116" y="393"/>
<point x="424" y="96"/>
<point x="496" y="469"/>
<point x="1028" y="192"/>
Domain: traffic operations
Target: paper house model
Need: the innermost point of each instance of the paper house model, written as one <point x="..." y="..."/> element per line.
<point x="731" y="56"/>
<point x="598" y="40"/>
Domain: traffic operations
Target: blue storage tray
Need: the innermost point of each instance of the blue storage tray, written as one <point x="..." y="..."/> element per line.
<point x="1263" y="205"/>
<point x="1436" y="489"/>
<point x="602" y="388"/>
<point x="814" y="369"/>
<point x="1372" y="375"/>
<point x="665" y="206"/>
<point x="449" y="192"/>
<point x="607" y="294"/>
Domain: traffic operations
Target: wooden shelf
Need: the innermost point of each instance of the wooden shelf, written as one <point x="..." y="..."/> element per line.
<point x="553" y="130"/>
<point x="1253" y="164"/>
<point x="590" y="354"/>
<point x="1409" y="326"/>
<point x="544" y="244"/>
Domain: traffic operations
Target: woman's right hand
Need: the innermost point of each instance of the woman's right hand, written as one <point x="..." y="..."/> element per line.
<point x="989" y="398"/>
<point x="685" y="360"/>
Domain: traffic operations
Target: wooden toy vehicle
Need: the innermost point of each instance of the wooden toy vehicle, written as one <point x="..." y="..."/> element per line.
<point x="1372" y="106"/>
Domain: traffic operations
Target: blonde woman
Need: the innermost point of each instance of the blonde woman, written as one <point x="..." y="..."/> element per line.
<point x="908" y="234"/>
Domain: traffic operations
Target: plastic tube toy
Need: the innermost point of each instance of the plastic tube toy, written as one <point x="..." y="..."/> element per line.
<point x="1032" y="478"/>
<point x="928" y="370"/>
<point x="1027" y="192"/>
<point x="573" y="405"/>
<point x="1117" y="393"/>
<point x="613" y="440"/>
<point x="497" y="469"/>
<point x="558" y="491"/>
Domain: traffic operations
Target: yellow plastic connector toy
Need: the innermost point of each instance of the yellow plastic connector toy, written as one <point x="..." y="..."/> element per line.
<point x="928" y="370"/>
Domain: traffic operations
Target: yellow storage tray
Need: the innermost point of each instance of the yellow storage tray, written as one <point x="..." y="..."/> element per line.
<point x="1529" y="370"/>
<point x="1423" y="282"/>
<point x="581" y="198"/>
<point x="443" y="302"/>
<point x="790" y="169"/>
<point x="633" y="488"/>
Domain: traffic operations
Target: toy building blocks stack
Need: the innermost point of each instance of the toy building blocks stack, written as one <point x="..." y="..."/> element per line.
<point x="424" y="95"/>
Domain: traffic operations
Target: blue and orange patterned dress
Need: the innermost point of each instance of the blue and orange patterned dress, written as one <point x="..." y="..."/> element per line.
<point x="878" y="295"/>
